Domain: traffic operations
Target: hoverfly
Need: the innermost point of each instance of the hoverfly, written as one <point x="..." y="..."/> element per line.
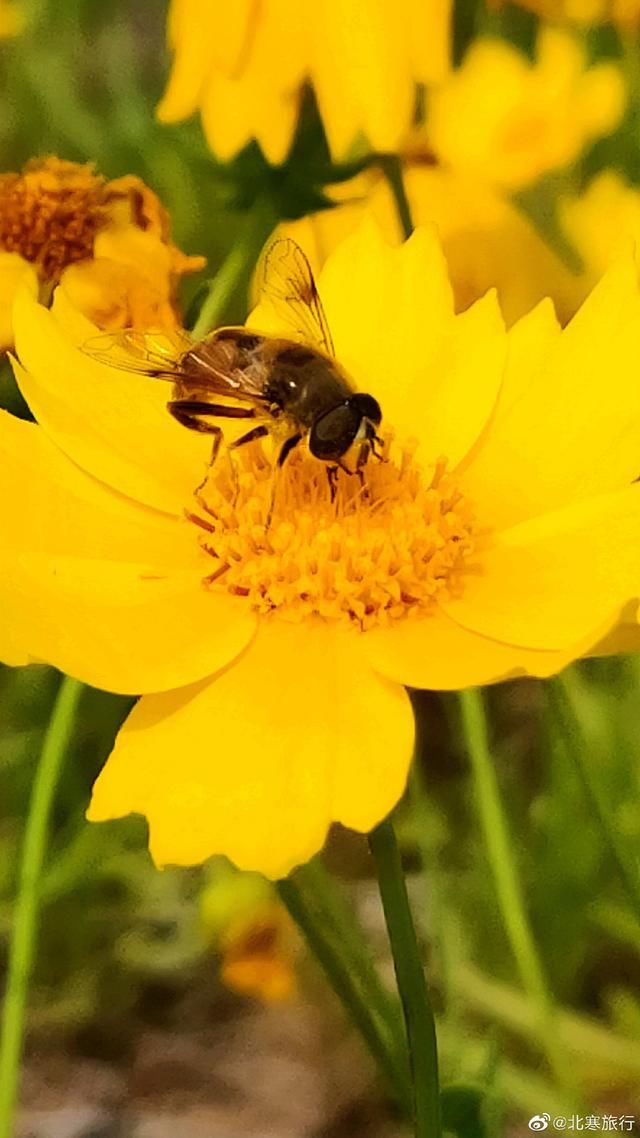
<point x="291" y="387"/>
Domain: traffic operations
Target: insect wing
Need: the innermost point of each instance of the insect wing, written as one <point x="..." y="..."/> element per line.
<point x="288" y="287"/>
<point x="216" y="360"/>
<point x="147" y="353"/>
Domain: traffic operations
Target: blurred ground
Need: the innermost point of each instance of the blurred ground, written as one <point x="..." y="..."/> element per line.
<point x="257" y="1073"/>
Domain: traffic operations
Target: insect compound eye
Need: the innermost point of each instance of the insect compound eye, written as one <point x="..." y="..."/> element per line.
<point x="367" y="407"/>
<point x="333" y="433"/>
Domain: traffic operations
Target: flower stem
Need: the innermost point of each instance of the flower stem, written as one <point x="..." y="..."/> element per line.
<point x="567" y="725"/>
<point x="391" y="166"/>
<point x="235" y="269"/>
<point x="307" y="897"/>
<point x="507" y="882"/>
<point x="25" y="923"/>
<point x="418" y="1014"/>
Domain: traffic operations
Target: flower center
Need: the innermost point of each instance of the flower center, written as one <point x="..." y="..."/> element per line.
<point x="366" y="549"/>
<point x="51" y="213"/>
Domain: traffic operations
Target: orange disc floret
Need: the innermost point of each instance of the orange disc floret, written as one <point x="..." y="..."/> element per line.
<point x="364" y="549"/>
<point x="106" y="245"/>
<point x="51" y="213"/>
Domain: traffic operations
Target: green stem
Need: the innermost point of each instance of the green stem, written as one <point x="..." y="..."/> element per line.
<point x="392" y="169"/>
<point x="235" y="269"/>
<point x="418" y="1014"/>
<point x="25" y="923"/>
<point x="311" y="915"/>
<point x="562" y="705"/>
<point x="507" y="881"/>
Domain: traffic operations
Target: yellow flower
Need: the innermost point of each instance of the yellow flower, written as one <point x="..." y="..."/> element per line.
<point x="506" y="121"/>
<point x="487" y="241"/>
<point x="106" y="243"/>
<point x="11" y="19"/>
<point x="624" y="12"/>
<point x="270" y="634"/>
<point x="602" y="223"/>
<point x="244" y="65"/>
<point x="252" y="934"/>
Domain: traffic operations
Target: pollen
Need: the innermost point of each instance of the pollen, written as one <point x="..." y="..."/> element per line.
<point x="364" y="548"/>
<point x="51" y="213"/>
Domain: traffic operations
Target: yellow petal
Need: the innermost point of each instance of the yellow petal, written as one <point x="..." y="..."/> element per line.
<point x="460" y="392"/>
<point x="390" y="310"/>
<point x="361" y="50"/>
<point x="260" y="98"/>
<point x="235" y="111"/>
<point x="124" y="627"/>
<point x="624" y="638"/>
<point x="12" y="19"/>
<point x="50" y="505"/>
<point x="194" y="27"/>
<point x="114" y="296"/>
<point x="486" y="241"/>
<point x="428" y="28"/>
<point x="103" y="589"/>
<point x="547" y="582"/>
<point x="436" y="653"/>
<point x="508" y="121"/>
<point x="602" y="222"/>
<point x="297" y="734"/>
<point x="15" y="273"/>
<point x="567" y="424"/>
<point x="114" y="424"/>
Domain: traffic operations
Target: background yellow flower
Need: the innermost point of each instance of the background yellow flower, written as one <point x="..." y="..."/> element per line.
<point x="488" y="242"/>
<point x="602" y="223"/>
<point x="507" y="121"/>
<point x="11" y="18"/>
<point x="251" y="932"/>
<point x="107" y="244"/>
<point x="244" y="67"/>
<point x="624" y="12"/>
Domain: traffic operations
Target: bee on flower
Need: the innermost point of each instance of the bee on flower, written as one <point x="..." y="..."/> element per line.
<point x="272" y="636"/>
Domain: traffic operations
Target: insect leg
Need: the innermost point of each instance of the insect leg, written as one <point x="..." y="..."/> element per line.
<point x="374" y="443"/>
<point x="254" y="433"/>
<point x="363" y="454"/>
<point x="190" y="413"/>
<point x="190" y="419"/>
<point x="332" y="479"/>
<point x="287" y="447"/>
<point x="194" y="414"/>
<point x="285" y="451"/>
